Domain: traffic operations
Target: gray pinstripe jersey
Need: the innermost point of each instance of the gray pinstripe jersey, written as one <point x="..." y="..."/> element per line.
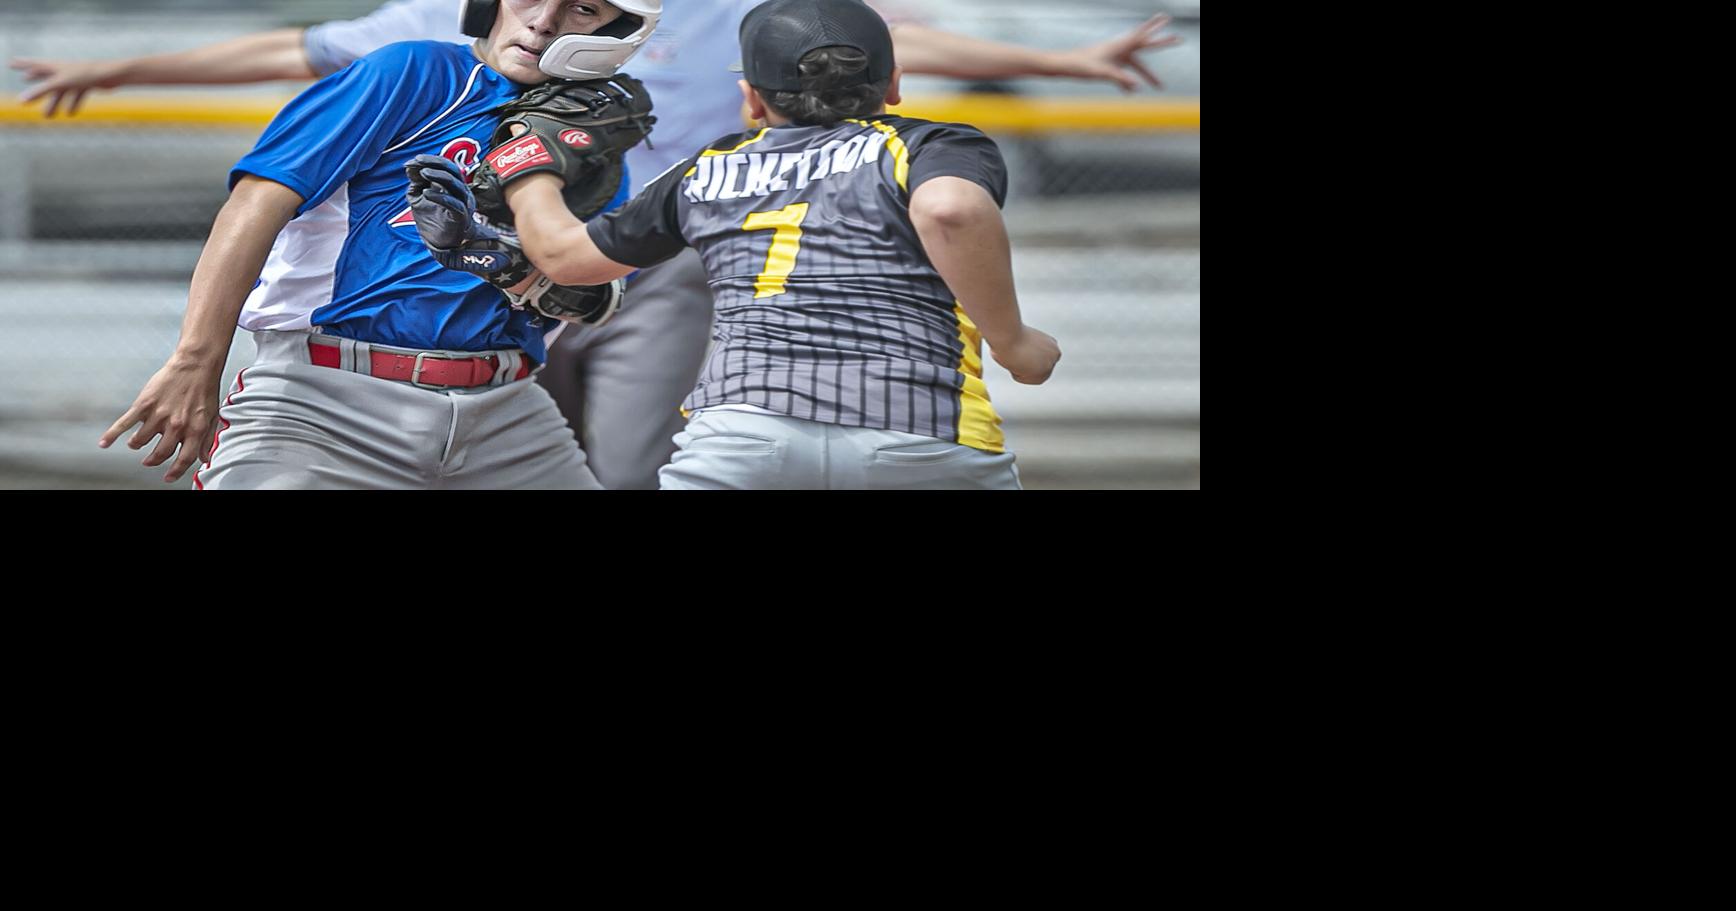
<point x="827" y="307"/>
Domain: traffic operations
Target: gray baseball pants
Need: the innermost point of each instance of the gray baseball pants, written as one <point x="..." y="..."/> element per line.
<point x="621" y="386"/>
<point x="290" y="425"/>
<point x="728" y="450"/>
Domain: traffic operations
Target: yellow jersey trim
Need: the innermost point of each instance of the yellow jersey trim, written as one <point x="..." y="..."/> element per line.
<point x="899" y="150"/>
<point x="713" y="153"/>
<point x="979" y="427"/>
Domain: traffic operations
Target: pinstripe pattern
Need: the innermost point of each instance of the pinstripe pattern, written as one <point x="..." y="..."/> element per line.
<point x="865" y="332"/>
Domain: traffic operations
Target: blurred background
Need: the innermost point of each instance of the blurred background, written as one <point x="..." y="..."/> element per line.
<point x="102" y="218"/>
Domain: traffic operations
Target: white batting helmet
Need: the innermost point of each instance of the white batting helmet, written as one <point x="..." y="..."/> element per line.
<point x="597" y="56"/>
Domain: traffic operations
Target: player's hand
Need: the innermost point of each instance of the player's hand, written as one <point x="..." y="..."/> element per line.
<point x="445" y="211"/>
<point x="441" y="201"/>
<point x="179" y="404"/>
<point x="1030" y="357"/>
<point x="1117" y="60"/>
<point x="64" y="82"/>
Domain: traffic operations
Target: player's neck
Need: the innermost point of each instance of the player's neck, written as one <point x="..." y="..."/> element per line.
<point x="774" y="121"/>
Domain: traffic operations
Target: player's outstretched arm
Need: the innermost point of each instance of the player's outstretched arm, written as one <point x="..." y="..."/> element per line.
<point x="554" y="240"/>
<point x="180" y="401"/>
<point x="966" y="239"/>
<point x="938" y="53"/>
<point x="261" y="57"/>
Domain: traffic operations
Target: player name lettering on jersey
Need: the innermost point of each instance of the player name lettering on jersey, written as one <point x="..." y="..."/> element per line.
<point x="744" y="175"/>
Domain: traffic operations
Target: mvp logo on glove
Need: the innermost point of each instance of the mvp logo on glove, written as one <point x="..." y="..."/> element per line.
<point x="518" y="155"/>
<point x="485" y="263"/>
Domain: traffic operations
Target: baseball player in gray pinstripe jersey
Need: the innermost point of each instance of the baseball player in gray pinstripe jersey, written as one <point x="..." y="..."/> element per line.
<point x="858" y="261"/>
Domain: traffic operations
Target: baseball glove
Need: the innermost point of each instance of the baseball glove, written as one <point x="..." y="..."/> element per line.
<point x="461" y="238"/>
<point x="591" y="305"/>
<point x="578" y="131"/>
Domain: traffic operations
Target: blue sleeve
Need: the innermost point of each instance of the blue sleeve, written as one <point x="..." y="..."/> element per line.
<point x="335" y="45"/>
<point x="341" y="125"/>
<point x="624" y="193"/>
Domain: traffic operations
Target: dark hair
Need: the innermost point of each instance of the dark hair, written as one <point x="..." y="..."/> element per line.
<point x="830" y="89"/>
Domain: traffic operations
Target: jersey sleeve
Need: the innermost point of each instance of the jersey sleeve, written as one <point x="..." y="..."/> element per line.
<point x="648" y="230"/>
<point x="896" y="12"/>
<point x="956" y="150"/>
<point x="335" y="45"/>
<point x="342" y="124"/>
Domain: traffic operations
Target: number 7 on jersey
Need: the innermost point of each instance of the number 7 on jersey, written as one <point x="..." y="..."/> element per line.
<point x="786" y="246"/>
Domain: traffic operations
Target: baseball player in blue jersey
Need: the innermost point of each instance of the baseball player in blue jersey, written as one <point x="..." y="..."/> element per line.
<point x="377" y="368"/>
<point x="859" y="262"/>
<point x="620" y="384"/>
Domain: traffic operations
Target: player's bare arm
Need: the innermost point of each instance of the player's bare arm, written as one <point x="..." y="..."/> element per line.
<point x="179" y="403"/>
<point x="262" y="57"/>
<point x="937" y="53"/>
<point x="555" y="241"/>
<point x="965" y="237"/>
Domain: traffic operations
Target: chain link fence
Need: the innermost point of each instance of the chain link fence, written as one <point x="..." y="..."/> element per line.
<point x="102" y="225"/>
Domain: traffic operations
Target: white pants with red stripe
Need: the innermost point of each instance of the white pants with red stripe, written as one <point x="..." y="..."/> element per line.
<point x="290" y="425"/>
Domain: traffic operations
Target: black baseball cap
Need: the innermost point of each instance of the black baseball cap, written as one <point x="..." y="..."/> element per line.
<point x="777" y="34"/>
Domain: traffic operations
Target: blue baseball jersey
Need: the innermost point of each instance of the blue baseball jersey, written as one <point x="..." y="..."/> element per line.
<point x="351" y="263"/>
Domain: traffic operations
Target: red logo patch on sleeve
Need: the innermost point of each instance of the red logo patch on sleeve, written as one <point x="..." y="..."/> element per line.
<point x="518" y="155"/>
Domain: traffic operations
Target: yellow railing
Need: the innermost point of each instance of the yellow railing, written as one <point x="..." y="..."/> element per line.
<point x="1019" y="114"/>
<point x="993" y="113"/>
<point x="158" y="111"/>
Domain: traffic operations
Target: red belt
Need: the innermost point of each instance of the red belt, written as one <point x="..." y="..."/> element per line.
<point x="423" y="369"/>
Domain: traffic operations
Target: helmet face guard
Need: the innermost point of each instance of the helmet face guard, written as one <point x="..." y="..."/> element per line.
<point x="602" y="55"/>
<point x="597" y="56"/>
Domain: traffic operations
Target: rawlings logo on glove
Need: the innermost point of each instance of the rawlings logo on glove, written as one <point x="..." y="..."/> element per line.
<point x="514" y="157"/>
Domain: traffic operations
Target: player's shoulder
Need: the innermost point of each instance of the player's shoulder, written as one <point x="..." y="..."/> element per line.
<point x="421" y="54"/>
<point x="915" y="131"/>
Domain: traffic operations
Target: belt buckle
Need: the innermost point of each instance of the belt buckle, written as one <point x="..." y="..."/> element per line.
<point x="416" y="373"/>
